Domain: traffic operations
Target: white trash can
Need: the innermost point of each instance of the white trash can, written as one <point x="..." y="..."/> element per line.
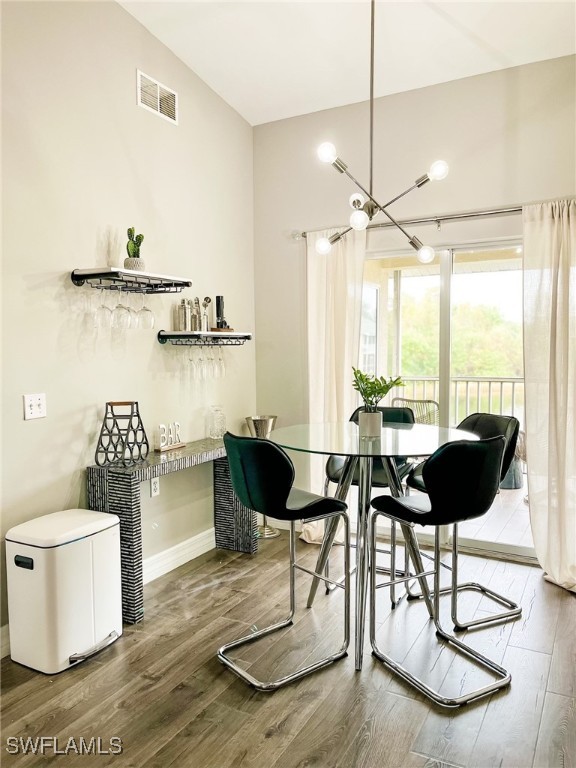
<point x="64" y="588"/>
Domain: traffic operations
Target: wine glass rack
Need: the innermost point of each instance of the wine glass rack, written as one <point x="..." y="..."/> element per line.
<point x="204" y="338"/>
<point x="132" y="281"/>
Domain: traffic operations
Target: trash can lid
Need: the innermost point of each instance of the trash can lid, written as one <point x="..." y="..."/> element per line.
<point x="60" y="528"/>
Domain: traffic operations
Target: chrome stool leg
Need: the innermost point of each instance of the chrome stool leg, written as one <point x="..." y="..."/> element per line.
<point x="273" y="685"/>
<point x="514" y="610"/>
<point x="432" y="601"/>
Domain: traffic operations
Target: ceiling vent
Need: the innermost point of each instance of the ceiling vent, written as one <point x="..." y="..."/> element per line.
<point x="157" y="98"/>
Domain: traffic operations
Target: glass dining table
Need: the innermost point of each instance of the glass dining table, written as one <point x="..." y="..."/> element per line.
<point x="343" y="439"/>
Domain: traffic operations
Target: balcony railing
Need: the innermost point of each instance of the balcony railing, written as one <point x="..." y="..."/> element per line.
<point x="470" y="394"/>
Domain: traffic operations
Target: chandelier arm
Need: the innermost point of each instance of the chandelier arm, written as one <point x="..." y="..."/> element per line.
<point x="396" y="224"/>
<point x="394" y="199"/>
<point x="339" y="235"/>
<point x="376" y="203"/>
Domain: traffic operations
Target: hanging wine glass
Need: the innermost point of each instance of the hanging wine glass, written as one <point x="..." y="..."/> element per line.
<point x="192" y="355"/>
<point x="145" y="316"/>
<point x="103" y="312"/>
<point x="201" y="364"/>
<point x="133" y="313"/>
<point x="221" y="363"/>
<point x="120" y="315"/>
<point x="88" y="316"/>
<point x="210" y="363"/>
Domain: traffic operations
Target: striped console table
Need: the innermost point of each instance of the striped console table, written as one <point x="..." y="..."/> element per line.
<point x="117" y="489"/>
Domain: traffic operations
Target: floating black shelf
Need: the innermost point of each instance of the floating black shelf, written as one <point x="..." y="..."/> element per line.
<point x="115" y="278"/>
<point x="204" y="338"/>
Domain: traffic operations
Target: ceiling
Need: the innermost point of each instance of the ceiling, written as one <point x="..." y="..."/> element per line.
<point x="275" y="59"/>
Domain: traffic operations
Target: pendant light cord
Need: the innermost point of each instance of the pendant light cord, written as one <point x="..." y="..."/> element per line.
<point x="365" y="210"/>
<point x="372" y="9"/>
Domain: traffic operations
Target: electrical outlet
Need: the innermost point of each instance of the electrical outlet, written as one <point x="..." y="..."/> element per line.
<point x="154" y="486"/>
<point x="34" y="406"/>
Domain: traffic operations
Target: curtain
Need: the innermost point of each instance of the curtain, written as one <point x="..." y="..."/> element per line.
<point x="550" y="382"/>
<point x="334" y="307"/>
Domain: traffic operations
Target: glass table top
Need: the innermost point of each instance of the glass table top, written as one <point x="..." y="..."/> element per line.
<point x="343" y="439"/>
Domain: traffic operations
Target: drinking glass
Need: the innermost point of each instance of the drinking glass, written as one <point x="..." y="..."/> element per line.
<point x="201" y="364"/>
<point x="103" y="312"/>
<point x="89" y="321"/>
<point x="145" y="316"/>
<point x="120" y="315"/>
<point x="221" y="363"/>
<point x="133" y="313"/>
<point x="210" y="363"/>
<point x="192" y="357"/>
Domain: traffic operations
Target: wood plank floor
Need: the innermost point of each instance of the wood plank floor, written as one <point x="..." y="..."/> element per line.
<point x="161" y="690"/>
<point x="507" y="522"/>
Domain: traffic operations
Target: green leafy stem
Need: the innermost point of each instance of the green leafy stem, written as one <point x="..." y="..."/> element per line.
<point x="373" y="388"/>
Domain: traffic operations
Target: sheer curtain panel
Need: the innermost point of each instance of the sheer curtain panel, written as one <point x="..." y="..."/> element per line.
<point x="334" y="307"/>
<point x="550" y="381"/>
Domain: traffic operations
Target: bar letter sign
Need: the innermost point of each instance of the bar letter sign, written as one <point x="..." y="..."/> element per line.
<point x="169" y="437"/>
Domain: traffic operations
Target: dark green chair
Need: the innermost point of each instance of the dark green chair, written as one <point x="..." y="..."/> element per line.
<point x="262" y="477"/>
<point x="484" y="426"/>
<point x="462" y="480"/>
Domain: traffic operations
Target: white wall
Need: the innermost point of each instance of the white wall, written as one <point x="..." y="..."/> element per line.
<point x="509" y="138"/>
<point x="81" y="163"/>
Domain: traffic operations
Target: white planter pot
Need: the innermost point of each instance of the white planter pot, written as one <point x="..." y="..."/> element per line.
<point x="370" y="424"/>
<point x="136" y="264"/>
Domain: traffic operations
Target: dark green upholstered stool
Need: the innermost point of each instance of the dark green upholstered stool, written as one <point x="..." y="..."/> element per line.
<point x="262" y="476"/>
<point x="484" y="426"/>
<point x="462" y="480"/>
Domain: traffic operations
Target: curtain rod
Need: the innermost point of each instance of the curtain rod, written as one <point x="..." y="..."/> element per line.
<point x="444" y="217"/>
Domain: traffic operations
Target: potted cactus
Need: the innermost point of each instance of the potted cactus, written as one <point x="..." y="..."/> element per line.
<point x="133" y="248"/>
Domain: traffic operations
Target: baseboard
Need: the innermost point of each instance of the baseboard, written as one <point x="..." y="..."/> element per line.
<point x="157" y="565"/>
<point x="153" y="567"/>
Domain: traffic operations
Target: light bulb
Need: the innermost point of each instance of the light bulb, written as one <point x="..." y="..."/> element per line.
<point x="438" y="170"/>
<point x="327" y="152"/>
<point x="359" y="220"/>
<point x="425" y="254"/>
<point x="356" y="200"/>
<point x="323" y="246"/>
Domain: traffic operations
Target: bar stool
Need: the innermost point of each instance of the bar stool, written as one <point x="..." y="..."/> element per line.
<point x="262" y="476"/>
<point x="462" y="480"/>
<point x="484" y="425"/>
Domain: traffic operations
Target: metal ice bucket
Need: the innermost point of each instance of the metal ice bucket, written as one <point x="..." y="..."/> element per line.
<point x="260" y="426"/>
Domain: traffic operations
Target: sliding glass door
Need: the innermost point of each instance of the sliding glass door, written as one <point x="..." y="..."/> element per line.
<point x="405" y="337"/>
<point x="453" y="330"/>
<point x="487" y="375"/>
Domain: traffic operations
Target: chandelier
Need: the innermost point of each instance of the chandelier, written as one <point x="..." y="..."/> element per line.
<point x="365" y="206"/>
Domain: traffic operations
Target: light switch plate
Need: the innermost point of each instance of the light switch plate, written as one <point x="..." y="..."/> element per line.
<point x="34" y="406"/>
